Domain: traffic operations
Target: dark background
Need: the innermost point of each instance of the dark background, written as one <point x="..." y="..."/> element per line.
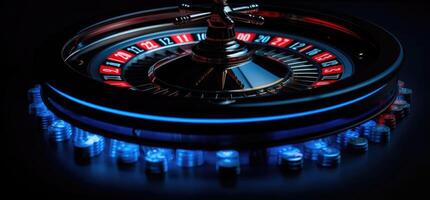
<point x="403" y="170"/>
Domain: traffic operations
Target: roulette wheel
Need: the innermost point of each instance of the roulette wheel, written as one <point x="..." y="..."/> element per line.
<point x="221" y="91"/>
<point x="222" y="77"/>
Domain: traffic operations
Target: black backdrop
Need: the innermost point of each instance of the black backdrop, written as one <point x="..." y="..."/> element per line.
<point x="27" y="24"/>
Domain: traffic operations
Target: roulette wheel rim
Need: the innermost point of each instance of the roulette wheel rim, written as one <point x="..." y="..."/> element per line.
<point x="208" y="131"/>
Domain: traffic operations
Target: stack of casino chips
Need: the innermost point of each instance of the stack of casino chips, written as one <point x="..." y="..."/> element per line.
<point x="189" y="158"/>
<point x="34" y="98"/>
<point x="342" y="139"/>
<point x="38" y="109"/>
<point x="59" y="131"/>
<point x="388" y="119"/>
<point x="228" y="162"/>
<point x="406" y="94"/>
<point x="45" y="118"/>
<point x="329" y="157"/>
<point x="290" y="158"/>
<point x="404" y="99"/>
<point x="312" y="148"/>
<point x="35" y="109"/>
<point x="358" y="145"/>
<point x="367" y="128"/>
<point x="128" y="153"/>
<point x="170" y="153"/>
<point x="36" y="106"/>
<point x="398" y="112"/>
<point x="113" y="148"/>
<point x="155" y="161"/>
<point x="87" y="145"/>
<point x="403" y="108"/>
<point x="34" y="95"/>
<point x="381" y="134"/>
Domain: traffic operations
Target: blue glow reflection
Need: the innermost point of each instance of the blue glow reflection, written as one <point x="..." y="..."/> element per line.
<point x="209" y="120"/>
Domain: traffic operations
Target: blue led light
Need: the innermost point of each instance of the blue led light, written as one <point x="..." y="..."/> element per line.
<point x="209" y="120"/>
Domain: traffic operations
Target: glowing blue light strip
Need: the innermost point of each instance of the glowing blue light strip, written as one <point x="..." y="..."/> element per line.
<point x="209" y="120"/>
